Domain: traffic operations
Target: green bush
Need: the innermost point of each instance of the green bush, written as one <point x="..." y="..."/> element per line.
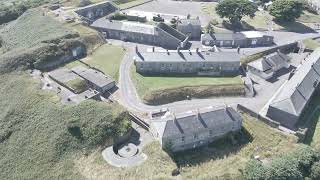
<point x="315" y="171"/>
<point x="295" y="165"/>
<point x="286" y="10"/>
<point x="40" y="133"/>
<point x="12" y="12"/>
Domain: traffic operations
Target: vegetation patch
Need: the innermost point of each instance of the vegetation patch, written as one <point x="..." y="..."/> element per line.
<point x="106" y="58"/>
<point x="78" y="85"/>
<point x="40" y="136"/>
<point x="311" y="43"/>
<point x="166" y="89"/>
<point x="36" y="40"/>
<point x="164" y="96"/>
<point x="220" y="160"/>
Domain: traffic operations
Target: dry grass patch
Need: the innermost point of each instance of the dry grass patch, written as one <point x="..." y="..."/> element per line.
<point x="219" y="160"/>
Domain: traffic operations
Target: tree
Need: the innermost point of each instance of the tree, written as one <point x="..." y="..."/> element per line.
<point x="286" y="10"/>
<point x="235" y="10"/>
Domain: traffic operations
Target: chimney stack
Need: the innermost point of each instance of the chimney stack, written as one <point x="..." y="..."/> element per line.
<point x="168" y="52"/>
<point x="197" y="50"/>
<point x="137" y="50"/>
<point x="153" y="48"/>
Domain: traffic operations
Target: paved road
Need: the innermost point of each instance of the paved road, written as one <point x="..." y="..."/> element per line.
<point x="129" y="98"/>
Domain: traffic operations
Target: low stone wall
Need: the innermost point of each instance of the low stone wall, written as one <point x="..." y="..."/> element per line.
<point x="286" y="48"/>
<point x="254" y="114"/>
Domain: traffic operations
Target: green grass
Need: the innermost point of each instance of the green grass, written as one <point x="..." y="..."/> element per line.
<point x="311" y="44"/>
<point x="147" y="84"/>
<point x="78" y="85"/>
<point x="39" y="136"/>
<point x="221" y="159"/>
<point x="106" y="58"/>
<point x="31" y="29"/>
<point x="308" y="17"/>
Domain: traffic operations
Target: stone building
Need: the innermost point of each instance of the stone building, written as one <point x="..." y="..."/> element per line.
<point x="240" y="39"/>
<point x="288" y="105"/>
<point x="267" y="66"/>
<point x="95" y="79"/>
<point x="178" y="132"/>
<point x="159" y="35"/>
<point x="96" y="10"/>
<point x="190" y="28"/>
<point x="193" y="62"/>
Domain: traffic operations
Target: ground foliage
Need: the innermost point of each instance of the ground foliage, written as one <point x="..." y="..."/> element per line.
<point x="294" y="165"/>
<point x="38" y="134"/>
<point x="34" y="40"/>
<point x="286" y="10"/>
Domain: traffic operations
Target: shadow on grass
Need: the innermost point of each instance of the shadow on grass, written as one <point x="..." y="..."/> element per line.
<point x="310" y="118"/>
<point x="216" y="150"/>
<point x="296" y="27"/>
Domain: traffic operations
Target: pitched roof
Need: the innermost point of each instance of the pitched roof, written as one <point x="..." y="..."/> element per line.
<point x="124" y="26"/>
<point x="276" y="59"/>
<point x="188" y="56"/>
<point x="195" y="121"/>
<point x="297" y="91"/>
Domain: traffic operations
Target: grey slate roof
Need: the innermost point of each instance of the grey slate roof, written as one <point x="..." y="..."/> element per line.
<point x="297" y="91"/>
<point x="123" y="26"/>
<point x="195" y="121"/>
<point x="93" y="76"/>
<point x="274" y="59"/>
<point x="188" y="56"/>
<point x="228" y="36"/>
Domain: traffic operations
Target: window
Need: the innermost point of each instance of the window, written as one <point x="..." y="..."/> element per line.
<point x="195" y="136"/>
<point x="315" y="84"/>
<point x="182" y="139"/>
<point x="210" y="132"/>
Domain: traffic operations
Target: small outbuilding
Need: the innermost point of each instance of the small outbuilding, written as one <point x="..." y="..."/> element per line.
<point x="190" y="28"/>
<point x="256" y="38"/>
<point x="192" y="129"/>
<point x="95" y="79"/>
<point x="240" y="39"/>
<point x="267" y="66"/>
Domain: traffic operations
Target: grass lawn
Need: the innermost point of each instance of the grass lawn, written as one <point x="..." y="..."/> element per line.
<point x="311" y="44"/>
<point x="79" y="85"/>
<point x="220" y="159"/>
<point x="106" y="58"/>
<point x="146" y="84"/>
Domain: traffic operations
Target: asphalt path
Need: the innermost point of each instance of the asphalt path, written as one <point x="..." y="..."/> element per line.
<point x="130" y="99"/>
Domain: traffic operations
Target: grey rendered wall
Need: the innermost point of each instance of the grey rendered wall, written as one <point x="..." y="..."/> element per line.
<point x="284" y="118"/>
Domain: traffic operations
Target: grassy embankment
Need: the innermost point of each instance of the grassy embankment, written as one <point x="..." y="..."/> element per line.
<point x="106" y="58"/>
<point x="40" y="137"/>
<point x="222" y="159"/>
<point x="164" y="89"/>
<point x="259" y="22"/>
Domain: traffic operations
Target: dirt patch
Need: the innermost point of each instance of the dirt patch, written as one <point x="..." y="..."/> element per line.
<point x="165" y="96"/>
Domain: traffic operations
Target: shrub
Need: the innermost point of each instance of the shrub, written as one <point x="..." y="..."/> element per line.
<point x="315" y="171"/>
<point x="286" y="10"/>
